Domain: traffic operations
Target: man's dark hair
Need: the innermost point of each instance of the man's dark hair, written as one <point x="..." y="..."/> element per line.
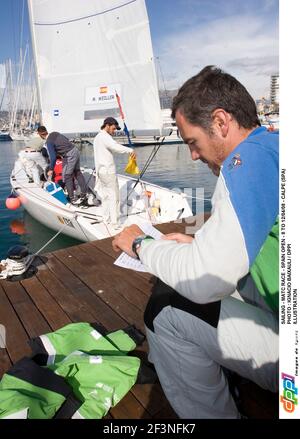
<point x="104" y="125"/>
<point x="42" y="129"/>
<point x="110" y="121"/>
<point x="211" y="89"/>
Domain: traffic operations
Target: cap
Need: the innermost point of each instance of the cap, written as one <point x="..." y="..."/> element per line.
<point x="112" y="121"/>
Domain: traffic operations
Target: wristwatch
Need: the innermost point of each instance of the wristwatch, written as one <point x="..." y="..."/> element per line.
<point x="138" y="242"/>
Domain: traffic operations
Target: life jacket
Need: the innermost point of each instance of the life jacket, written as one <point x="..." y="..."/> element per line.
<point x="29" y="391"/>
<point x="58" y="168"/>
<point x="78" y="371"/>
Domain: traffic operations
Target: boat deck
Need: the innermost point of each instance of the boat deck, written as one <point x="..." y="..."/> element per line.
<point x="81" y="283"/>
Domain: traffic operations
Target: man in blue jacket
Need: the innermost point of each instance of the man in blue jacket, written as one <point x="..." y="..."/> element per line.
<point x="59" y="145"/>
<point x="219" y="307"/>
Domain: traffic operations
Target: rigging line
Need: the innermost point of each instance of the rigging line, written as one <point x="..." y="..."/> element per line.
<point x="88" y="215"/>
<point x="2" y="99"/>
<point x="46" y="244"/>
<point x="162" y="76"/>
<point x="196" y="198"/>
<point x="30" y="190"/>
<point x="74" y="215"/>
<point x="64" y="209"/>
<point x="40" y="198"/>
<point x="152" y="155"/>
<point x="50" y="240"/>
<point x="22" y="24"/>
<point x="150" y="158"/>
<point x="14" y="29"/>
<point x="147" y="207"/>
<point x="148" y="161"/>
<point x="81" y="229"/>
<point x="107" y="229"/>
<point x="87" y="16"/>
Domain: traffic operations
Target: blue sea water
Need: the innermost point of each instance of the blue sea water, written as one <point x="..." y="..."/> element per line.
<point x="172" y="167"/>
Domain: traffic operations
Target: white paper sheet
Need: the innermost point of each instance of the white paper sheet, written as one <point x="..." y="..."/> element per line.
<point x="126" y="261"/>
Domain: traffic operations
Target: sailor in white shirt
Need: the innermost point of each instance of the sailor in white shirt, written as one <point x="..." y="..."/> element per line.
<point x="106" y="179"/>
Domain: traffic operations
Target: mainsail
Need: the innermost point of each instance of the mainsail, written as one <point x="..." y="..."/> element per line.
<point x="85" y="52"/>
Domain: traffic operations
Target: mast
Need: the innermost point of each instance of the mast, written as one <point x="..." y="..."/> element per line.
<point x="10" y="93"/>
<point x="34" y="50"/>
<point x="19" y="85"/>
<point x="4" y="83"/>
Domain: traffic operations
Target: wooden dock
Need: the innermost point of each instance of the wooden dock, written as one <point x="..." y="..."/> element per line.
<point x="81" y="284"/>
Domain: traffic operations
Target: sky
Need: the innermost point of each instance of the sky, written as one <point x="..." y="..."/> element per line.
<point x="239" y="36"/>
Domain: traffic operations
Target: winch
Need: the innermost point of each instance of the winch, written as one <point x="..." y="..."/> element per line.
<point x="17" y="262"/>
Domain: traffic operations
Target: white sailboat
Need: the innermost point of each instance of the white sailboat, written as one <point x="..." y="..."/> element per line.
<point x="85" y="52"/>
<point x="140" y="202"/>
<point x="4" y="85"/>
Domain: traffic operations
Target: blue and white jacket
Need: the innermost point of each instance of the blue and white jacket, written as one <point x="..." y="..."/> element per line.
<point x="244" y="209"/>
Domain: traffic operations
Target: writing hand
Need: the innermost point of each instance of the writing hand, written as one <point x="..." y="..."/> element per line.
<point x="123" y="241"/>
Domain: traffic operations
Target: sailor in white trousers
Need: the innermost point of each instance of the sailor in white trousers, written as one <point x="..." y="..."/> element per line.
<point x="239" y="333"/>
<point x="106" y="178"/>
<point x="107" y="187"/>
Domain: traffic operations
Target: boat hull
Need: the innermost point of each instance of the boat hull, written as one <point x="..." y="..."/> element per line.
<point x="5" y="137"/>
<point x="86" y="224"/>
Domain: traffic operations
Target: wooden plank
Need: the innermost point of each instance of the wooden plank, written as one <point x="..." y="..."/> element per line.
<point x="166" y="412"/>
<point x="96" y="252"/>
<point x="129" y="408"/>
<point x="194" y="222"/>
<point x="93" y="279"/>
<point x="125" y="282"/>
<point x="31" y="318"/>
<point x="102" y="313"/>
<point x="105" y="246"/>
<point x="48" y="307"/>
<point x="73" y="307"/>
<point x="16" y="336"/>
<point x="171" y="227"/>
<point x="151" y="396"/>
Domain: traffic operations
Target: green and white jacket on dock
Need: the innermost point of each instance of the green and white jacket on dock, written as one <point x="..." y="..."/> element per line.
<point x="86" y="374"/>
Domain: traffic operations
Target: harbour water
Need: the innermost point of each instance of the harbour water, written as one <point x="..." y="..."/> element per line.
<point x="172" y="167"/>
